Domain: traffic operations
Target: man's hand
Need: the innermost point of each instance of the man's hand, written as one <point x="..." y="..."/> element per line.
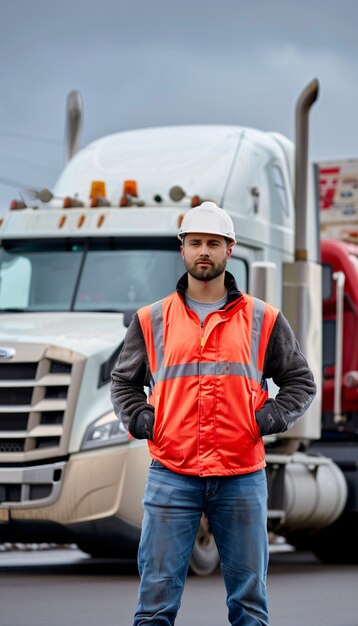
<point x="142" y="427"/>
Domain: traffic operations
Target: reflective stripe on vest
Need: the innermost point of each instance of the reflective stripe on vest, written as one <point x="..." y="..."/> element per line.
<point x="199" y="368"/>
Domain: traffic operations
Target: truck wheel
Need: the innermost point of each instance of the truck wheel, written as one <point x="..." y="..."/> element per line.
<point x="95" y="550"/>
<point x="300" y="540"/>
<point x="205" y="557"/>
<point x="102" y="549"/>
<point x="337" y="543"/>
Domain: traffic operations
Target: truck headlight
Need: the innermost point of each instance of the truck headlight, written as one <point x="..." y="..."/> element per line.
<point x="107" y="430"/>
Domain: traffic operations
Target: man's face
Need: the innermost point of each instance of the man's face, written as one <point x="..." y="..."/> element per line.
<point x="205" y="256"/>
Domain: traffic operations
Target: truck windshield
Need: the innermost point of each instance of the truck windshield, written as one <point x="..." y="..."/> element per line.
<point x="90" y="275"/>
<point x="93" y="275"/>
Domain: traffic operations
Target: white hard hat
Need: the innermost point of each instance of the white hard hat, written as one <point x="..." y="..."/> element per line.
<point x="207" y="218"/>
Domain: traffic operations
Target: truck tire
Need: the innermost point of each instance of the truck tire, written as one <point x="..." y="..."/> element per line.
<point x="299" y="540"/>
<point x="337" y="543"/>
<point x="106" y="549"/>
<point x="205" y="557"/>
<point x="96" y="550"/>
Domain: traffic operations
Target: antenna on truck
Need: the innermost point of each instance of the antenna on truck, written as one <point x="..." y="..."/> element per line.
<point x="74" y="115"/>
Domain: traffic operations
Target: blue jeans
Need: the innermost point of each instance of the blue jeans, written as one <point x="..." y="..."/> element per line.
<point x="236" y="509"/>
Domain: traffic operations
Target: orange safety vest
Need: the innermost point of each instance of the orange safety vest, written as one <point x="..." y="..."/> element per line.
<point x="207" y="384"/>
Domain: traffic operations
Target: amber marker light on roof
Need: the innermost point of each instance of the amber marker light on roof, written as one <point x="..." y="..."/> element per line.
<point x="62" y="221"/>
<point x="100" y="220"/>
<point x="70" y="203"/>
<point x="130" y="188"/>
<point x="180" y="219"/>
<point x="130" y="192"/>
<point x="195" y="201"/>
<point x="98" y="188"/>
<point x="80" y="221"/>
<point x="15" y="205"/>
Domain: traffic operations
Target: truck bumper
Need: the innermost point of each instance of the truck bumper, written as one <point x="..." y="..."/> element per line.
<point x="91" y="487"/>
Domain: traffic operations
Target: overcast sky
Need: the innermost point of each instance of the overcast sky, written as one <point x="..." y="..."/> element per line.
<point x="140" y="63"/>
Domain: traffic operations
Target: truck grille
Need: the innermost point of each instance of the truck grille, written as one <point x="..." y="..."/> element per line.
<point x="15" y="395"/>
<point x="38" y="395"/>
<point x="12" y="445"/>
<point x="18" y="371"/>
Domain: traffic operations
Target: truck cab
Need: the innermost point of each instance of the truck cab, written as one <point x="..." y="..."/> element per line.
<point x="339" y="439"/>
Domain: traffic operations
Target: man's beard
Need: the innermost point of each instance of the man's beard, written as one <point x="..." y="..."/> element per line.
<point x="206" y="273"/>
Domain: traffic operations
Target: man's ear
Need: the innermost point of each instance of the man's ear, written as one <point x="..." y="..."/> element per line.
<point x="229" y="249"/>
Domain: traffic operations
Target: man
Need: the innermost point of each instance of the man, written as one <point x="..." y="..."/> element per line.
<point x="206" y="351"/>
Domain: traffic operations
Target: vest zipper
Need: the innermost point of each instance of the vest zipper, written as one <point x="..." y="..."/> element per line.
<point x="201" y="335"/>
<point x="202" y="328"/>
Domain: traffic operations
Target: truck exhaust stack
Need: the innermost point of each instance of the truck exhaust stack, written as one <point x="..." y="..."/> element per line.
<point x="74" y="117"/>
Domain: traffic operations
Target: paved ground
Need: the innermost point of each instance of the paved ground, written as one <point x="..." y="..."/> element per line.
<point x="53" y="588"/>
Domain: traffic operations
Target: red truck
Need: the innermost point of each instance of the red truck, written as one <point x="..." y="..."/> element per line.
<point x="338" y="185"/>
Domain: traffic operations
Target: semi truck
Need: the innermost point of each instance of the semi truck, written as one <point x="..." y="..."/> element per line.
<point x="77" y="261"/>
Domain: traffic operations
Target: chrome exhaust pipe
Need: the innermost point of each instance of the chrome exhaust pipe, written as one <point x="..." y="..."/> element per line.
<point x="308" y="96"/>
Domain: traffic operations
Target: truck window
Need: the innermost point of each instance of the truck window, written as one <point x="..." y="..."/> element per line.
<point x="127" y="279"/>
<point x="43" y="275"/>
<point x="238" y="269"/>
<point x="329" y="343"/>
<point x="327" y="290"/>
<point x="279" y="189"/>
<point x="15" y="272"/>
